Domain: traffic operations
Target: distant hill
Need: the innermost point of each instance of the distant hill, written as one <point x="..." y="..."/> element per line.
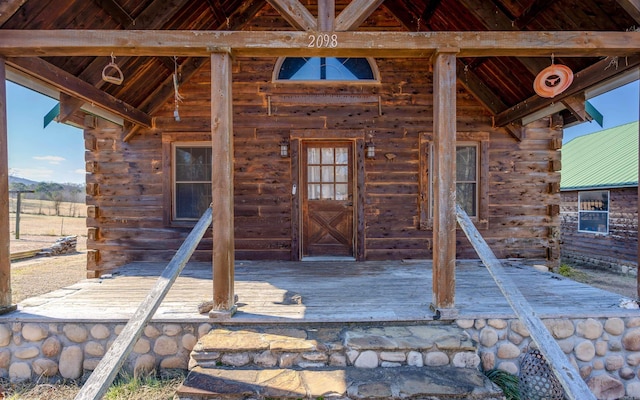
<point x="71" y="192"/>
<point x="17" y="179"/>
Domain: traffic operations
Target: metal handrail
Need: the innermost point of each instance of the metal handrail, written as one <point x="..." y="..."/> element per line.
<point x="106" y="371"/>
<point x="575" y="388"/>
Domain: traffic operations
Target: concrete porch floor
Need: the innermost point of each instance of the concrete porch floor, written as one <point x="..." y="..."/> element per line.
<point x="310" y="292"/>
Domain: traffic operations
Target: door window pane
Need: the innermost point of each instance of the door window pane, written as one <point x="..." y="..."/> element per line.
<point x="327" y="173"/>
<point x="313" y="173"/>
<point x="314" y="192"/>
<point x="313" y="155"/>
<point x="342" y="156"/>
<point x="327" y="192"/>
<point x="342" y="192"/>
<point x="327" y="155"/>
<point x="342" y="174"/>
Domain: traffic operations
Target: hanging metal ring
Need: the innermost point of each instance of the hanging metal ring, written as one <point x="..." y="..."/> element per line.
<point x="111" y="73"/>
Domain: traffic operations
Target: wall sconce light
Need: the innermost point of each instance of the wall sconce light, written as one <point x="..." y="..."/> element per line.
<point x="371" y="149"/>
<point x="284" y="148"/>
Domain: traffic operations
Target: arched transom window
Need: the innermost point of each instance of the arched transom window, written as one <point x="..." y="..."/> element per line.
<point x="325" y="69"/>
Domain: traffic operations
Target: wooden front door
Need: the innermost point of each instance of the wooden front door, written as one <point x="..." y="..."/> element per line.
<point x="327" y="199"/>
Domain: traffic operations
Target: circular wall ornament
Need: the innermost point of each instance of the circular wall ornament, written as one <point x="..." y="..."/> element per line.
<point x="553" y="80"/>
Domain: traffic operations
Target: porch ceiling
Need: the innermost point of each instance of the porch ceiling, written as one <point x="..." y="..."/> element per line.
<point x="502" y="84"/>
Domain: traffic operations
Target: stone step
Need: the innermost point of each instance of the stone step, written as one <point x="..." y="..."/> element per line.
<point x="366" y="347"/>
<point x="404" y="382"/>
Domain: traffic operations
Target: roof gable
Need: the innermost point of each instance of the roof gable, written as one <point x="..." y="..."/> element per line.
<point x="608" y="158"/>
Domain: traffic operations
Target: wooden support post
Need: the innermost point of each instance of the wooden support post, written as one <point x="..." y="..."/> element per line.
<point x="5" y="262"/>
<point x="444" y="182"/>
<point x="18" y="210"/>
<point x="222" y="184"/>
<point x="638" y="226"/>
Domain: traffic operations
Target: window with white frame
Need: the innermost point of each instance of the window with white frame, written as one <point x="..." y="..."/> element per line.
<point x="191" y="180"/>
<point x="593" y="211"/>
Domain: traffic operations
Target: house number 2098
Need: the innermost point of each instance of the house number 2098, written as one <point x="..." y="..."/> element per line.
<point x="323" y="40"/>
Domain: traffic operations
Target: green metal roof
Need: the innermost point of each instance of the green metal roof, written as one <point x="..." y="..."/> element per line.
<point x="608" y="158"/>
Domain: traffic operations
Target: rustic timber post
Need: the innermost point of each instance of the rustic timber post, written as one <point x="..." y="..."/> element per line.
<point x="5" y="262"/>
<point x="444" y="183"/>
<point x="222" y="184"/>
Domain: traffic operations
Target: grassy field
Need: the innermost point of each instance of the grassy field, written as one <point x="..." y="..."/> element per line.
<point x="47" y="207"/>
<point x="37" y="217"/>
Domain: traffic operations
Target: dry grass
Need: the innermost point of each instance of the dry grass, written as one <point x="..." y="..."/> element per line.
<point x="48" y="225"/>
<point x="125" y="388"/>
<point x="46" y="207"/>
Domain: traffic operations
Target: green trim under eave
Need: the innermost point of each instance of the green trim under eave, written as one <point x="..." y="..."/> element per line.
<point x="51" y="115"/>
<point x="594" y="113"/>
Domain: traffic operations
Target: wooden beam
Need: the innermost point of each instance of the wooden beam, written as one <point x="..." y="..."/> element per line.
<point x="493" y="18"/>
<point x="8" y="8"/>
<point x="70" y="43"/>
<point x="632" y="7"/>
<point x="478" y="89"/>
<point x="69" y="84"/>
<point x="295" y="13"/>
<point x="5" y="262"/>
<point x="531" y="12"/>
<point x="326" y="15"/>
<point x="575" y="388"/>
<point x="444" y="182"/>
<point x="115" y="11"/>
<point x="576" y="106"/>
<point x="355" y="14"/>
<point x="68" y="106"/>
<point x="590" y="76"/>
<point x="222" y="183"/>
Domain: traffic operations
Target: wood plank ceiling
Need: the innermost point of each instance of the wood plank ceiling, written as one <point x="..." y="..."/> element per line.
<point x="502" y="84"/>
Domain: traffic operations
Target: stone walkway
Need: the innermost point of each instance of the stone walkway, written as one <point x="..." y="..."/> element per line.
<point x="438" y="361"/>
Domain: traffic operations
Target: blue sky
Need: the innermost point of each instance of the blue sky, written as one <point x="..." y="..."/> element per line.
<point x="51" y="154"/>
<point x="56" y="153"/>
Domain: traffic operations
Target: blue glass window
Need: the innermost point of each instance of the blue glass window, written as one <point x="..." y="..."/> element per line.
<point x="325" y="69"/>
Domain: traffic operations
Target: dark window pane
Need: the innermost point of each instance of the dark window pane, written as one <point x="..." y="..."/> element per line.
<point x="466" y="163"/>
<point x="594" y="222"/>
<point x="193" y="164"/>
<point x="466" y="197"/>
<point x="192" y="199"/>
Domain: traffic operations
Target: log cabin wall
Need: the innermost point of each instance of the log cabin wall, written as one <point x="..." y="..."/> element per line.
<point x="128" y="181"/>
<point x="617" y="250"/>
